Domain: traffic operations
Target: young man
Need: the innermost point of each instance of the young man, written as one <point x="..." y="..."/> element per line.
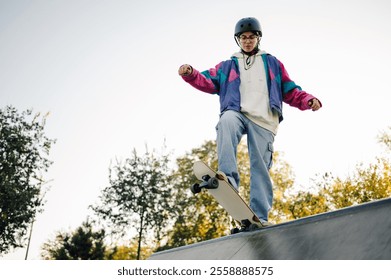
<point x="252" y="86"/>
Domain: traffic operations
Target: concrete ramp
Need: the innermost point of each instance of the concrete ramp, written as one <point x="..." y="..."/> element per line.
<point x="358" y="232"/>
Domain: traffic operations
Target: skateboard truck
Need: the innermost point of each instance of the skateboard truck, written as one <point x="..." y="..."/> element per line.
<point x="207" y="183"/>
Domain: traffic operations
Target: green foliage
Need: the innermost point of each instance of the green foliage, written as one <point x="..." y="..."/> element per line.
<point x="123" y="252"/>
<point x="305" y="204"/>
<point x="82" y="244"/>
<point x="368" y="182"/>
<point x="283" y="183"/>
<point x="384" y="138"/>
<point x="139" y="197"/>
<point x="23" y="158"/>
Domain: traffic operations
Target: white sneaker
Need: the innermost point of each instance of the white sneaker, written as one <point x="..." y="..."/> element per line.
<point x="266" y="224"/>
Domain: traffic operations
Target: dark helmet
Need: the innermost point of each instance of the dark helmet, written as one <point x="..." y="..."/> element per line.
<point x="248" y="24"/>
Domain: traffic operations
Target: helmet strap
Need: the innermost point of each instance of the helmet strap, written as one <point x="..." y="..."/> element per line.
<point x="253" y="52"/>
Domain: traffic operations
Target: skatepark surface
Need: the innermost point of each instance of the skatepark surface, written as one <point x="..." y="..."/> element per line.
<point x="359" y="232"/>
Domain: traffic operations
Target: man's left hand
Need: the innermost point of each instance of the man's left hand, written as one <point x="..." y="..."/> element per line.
<point x="314" y="104"/>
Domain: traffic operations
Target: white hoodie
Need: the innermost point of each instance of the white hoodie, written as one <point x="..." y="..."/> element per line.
<point x="254" y="94"/>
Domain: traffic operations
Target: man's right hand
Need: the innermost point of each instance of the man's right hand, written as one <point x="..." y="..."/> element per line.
<point x="185" y="70"/>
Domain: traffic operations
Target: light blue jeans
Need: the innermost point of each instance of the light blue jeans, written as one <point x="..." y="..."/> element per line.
<point x="230" y="129"/>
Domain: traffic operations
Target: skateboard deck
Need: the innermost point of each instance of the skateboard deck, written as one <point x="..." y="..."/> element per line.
<point x="225" y="194"/>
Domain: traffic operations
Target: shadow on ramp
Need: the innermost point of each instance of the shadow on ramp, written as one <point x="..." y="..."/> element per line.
<point x="358" y="232"/>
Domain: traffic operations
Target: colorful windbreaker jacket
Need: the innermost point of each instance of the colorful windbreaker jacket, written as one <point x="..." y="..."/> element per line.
<point x="224" y="80"/>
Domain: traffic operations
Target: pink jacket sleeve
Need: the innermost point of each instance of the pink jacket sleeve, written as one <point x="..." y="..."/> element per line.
<point x="201" y="82"/>
<point x="295" y="97"/>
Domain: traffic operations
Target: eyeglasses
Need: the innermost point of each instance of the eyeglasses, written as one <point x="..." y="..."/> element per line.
<point x="251" y="38"/>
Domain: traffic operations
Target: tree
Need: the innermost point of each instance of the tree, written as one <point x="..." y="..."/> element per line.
<point x="139" y="197"/>
<point x="123" y="252"/>
<point x="283" y="185"/>
<point x="368" y="182"/>
<point x="23" y="159"/>
<point x="384" y="138"/>
<point x="82" y="244"/>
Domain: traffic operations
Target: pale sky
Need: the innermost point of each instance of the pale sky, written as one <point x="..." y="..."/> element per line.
<point x="107" y="73"/>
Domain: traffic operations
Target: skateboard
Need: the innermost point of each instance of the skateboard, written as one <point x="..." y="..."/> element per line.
<point x="226" y="195"/>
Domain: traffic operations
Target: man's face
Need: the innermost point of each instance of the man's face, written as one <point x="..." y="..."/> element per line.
<point x="248" y="41"/>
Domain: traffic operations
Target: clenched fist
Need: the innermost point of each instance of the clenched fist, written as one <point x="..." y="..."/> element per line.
<point x="314" y="104"/>
<point x="185" y="70"/>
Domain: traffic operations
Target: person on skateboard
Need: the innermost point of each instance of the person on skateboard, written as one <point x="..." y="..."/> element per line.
<point x="252" y="86"/>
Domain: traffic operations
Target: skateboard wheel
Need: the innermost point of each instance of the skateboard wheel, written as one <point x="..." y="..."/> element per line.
<point x="195" y="188"/>
<point x="213" y="183"/>
<point x="235" y="230"/>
